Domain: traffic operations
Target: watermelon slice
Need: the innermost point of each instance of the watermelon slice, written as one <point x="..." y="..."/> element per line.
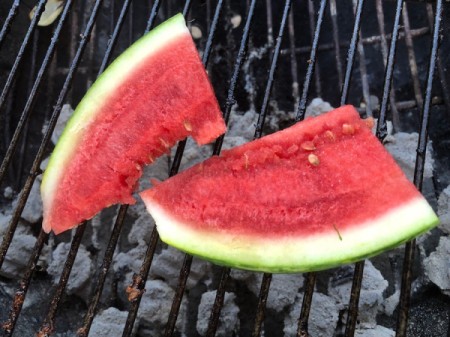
<point x="154" y="94"/>
<point x="321" y="193"/>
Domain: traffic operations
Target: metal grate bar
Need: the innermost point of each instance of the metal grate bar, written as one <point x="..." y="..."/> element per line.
<point x="351" y="52"/>
<point x="293" y="58"/>
<point x="273" y="67"/>
<point x="312" y="28"/>
<point x="412" y="57"/>
<point x="104" y="268"/>
<point x="212" y="33"/>
<point x="218" y="303"/>
<point x="359" y="267"/>
<point x="384" y="52"/>
<point x="337" y="50"/>
<point x="130" y="23"/>
<point x="113" y="40"/>
<point x="310" y="281"/>
<point x="151" y="19"/>
<point x="265" y="285"/>
<point x="24" y="142"/>
<point x="136" y="289"/>
<point x="269" y="23"/>
<point x="405" y="293"/>
<point x="187" y="6"/>
<point x="363" y="71"/>
<point x="74" y="24"/>
<point x="443" y="78"/>
<point x="381" y="125"/>
<point x="28" y="109"/>
<point x="187" y="262"/>
<point x="354" y="299"/>
<point x="8" y="21"/>
<point x="21" y="292"/>
<point x="13" y="72"/>
<point x="48" y="326"/>
<point x="175" y="308"/>
<point x="311" y="63"/>
<point x="237" y="68"/>
<point x="262" y="300"/>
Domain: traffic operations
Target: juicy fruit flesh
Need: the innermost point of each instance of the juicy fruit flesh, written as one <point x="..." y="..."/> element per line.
<point x="163" y="99"/>
<point x="314" y="196"/>
<point x="314" y="179"/>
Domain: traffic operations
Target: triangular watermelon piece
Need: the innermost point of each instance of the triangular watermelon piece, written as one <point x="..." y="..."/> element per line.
<point x="153" y="95"/>
<point x="321" y="193"/>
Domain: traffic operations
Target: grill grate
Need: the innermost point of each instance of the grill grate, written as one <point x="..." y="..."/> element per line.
<point x="81" y="63"/>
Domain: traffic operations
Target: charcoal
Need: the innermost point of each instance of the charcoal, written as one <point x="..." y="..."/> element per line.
<point x="437" y="266"/>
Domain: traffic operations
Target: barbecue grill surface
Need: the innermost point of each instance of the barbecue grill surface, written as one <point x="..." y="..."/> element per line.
<point x="267" y="62"/>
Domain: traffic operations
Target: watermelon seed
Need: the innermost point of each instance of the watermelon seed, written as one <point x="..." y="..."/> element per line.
<point x="246" y="161"/>
<point x="337" y="231"/>
<point x="348" y="129"/>
<point x="187" y="126"/>
<point x="308" y="146"/>
<point x="313" y="159"/>
<point x="330" y="135"/>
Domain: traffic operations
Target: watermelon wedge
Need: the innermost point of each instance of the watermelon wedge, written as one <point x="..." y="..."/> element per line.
<point x="321" y="193"/>
<point x="153" y="95"/>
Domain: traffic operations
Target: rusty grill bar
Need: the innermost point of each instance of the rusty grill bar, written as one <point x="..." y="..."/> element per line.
<point x="278" y="49"/>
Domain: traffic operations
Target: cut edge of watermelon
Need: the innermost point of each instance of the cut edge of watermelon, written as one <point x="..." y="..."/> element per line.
<point x="291" y="255"/>
<point x="116" y="73"/>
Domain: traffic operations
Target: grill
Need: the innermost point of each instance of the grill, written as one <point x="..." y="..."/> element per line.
<point x="388" y="58"/>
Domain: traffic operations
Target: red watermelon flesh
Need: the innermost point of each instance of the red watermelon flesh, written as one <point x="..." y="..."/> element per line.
<point x="318" y="194"/>
<point x="152" y="96"/>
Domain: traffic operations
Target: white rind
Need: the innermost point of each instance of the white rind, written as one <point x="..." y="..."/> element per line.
<point x="297" y="254"/>
<point x="116" y="74"/>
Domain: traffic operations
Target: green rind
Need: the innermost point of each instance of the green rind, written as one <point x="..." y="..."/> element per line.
<point x="98" y="94"/>
<point x="298" y="254"/>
